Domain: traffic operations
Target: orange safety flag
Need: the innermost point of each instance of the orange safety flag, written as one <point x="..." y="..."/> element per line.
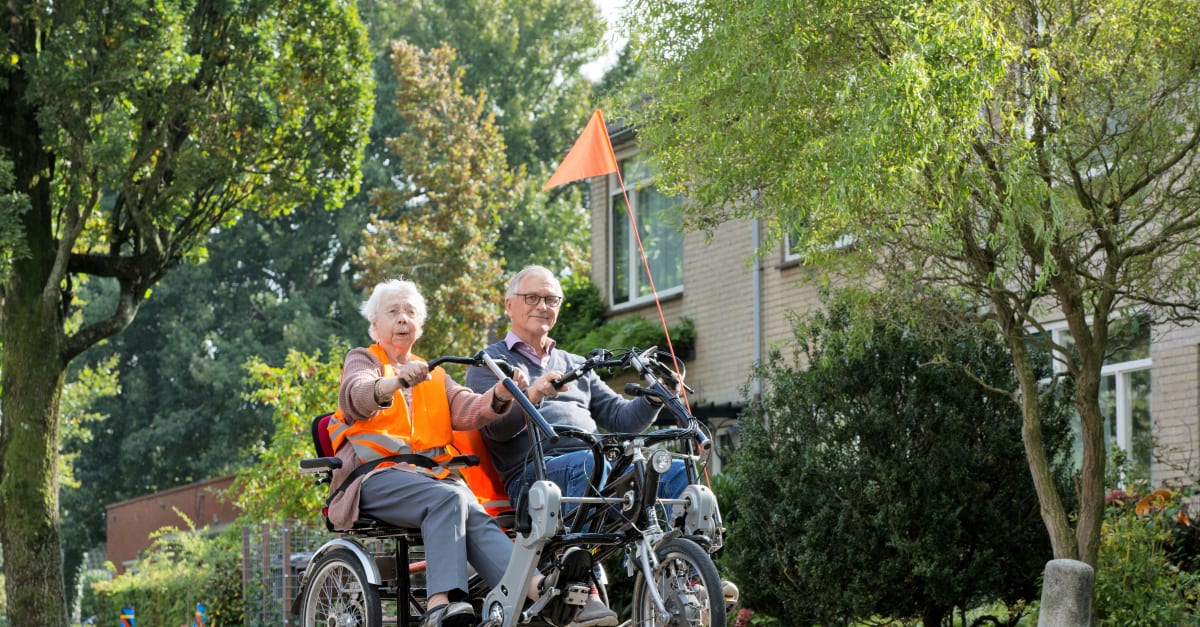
<point x="592" y="155"/>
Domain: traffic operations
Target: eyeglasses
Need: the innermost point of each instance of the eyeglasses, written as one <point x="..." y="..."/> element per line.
<point x="533" y="299"/>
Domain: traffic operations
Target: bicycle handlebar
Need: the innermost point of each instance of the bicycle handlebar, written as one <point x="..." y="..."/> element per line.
<point x="657" y="375"/>
<point x="596" y="358"/>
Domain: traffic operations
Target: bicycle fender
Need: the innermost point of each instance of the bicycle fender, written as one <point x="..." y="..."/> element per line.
<point x="364" y="557"/>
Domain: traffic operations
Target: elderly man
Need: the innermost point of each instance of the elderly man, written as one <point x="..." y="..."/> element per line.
<point x="532" y="303"/>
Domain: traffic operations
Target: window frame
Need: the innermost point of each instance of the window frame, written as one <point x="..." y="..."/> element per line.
<point x="636" y="175"/>
<point x="793" y="258"/>
<point x="1122" y="372"/>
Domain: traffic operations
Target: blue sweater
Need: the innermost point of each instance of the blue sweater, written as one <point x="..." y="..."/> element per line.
<point x="587" y="403"/>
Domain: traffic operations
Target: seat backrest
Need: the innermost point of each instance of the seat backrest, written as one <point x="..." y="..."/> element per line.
<point x="320" y="436"/>
<point x="484" y="479"/>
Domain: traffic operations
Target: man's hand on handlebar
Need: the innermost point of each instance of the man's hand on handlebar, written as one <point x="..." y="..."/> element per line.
<point x="544" y="386"/>
<point x="519" y="377"/>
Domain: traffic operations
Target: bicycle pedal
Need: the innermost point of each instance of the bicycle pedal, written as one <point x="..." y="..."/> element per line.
<point x="576" y="594"/>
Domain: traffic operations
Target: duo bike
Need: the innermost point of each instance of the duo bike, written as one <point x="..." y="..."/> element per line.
<point x="369" y="576"/>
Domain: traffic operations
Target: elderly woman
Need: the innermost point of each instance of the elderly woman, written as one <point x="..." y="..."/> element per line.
<point x="390" y="403"/>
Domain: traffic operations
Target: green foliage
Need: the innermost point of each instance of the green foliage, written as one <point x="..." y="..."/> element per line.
<point x="182" y="568"/>
<point x="989" y="149"/>
<point x="303" y="387"/>
<point x="12" y="205"/>
<point x="582" y="326"/>
<point x="525" y="56"/>
<point x="79" y="397"/>
<point x="883" y="480"/>
<point x="582" y="311"/>
<point x="1147" y="572"/>
<point x="439" y="227"/>
<point x="635" y="333"/>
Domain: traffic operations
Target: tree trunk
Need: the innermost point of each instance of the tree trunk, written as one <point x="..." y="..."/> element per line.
<point x="29" y="523"/>
<point x="1054" y="514"/>
<point x="32" y="381"/>
<point x="1095" y="456"/>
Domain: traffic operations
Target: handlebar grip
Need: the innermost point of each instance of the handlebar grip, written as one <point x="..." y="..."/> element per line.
<point x="567" y="378"/>
<point x="634" y="389"/>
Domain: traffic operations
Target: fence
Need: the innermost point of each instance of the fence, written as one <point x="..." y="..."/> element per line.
<point x="273" y="557"/>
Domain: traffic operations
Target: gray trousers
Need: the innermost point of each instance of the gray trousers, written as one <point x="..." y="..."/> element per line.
<point x="454" y="526"/>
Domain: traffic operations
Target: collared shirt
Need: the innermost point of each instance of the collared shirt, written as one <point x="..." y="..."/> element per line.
<point x="517" y="345"/>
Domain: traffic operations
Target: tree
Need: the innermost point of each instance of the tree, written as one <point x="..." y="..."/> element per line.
<point x="895" y="482"/>
<point x="270" y="283"/>
<point x="1031" y="158"/>
<point x="134" y="129"/>
<point x="526" y="56"/>
<point x="438" y="224"/>
<point x="304" y="387"/>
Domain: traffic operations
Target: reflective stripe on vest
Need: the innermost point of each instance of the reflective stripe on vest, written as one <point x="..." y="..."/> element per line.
<point x="391" y="430"/>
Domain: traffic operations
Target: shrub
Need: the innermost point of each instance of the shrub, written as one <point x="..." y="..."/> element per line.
<point x="879" y="482"/>
<point x="1145" y="573"/>
<point x="180" y="569"/>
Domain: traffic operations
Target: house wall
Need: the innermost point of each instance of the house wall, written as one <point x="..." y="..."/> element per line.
<point x="1174" y="403"/>
<point x="130" y="523"/>
<point x="718" y="295"/>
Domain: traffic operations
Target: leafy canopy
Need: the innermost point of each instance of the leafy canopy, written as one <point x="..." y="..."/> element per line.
<point x="1033" y="159"/>
<point x="438" y="225"/>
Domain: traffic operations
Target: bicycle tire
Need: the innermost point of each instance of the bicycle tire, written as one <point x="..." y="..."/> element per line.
<point x="688" y="582"/>
<point x="336" y="592"/>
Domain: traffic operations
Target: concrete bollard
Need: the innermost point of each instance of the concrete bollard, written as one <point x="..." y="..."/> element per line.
<point x="1066" y="594"/>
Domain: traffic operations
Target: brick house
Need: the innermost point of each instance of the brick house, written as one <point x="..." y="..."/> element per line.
<point x="130" y="523"/>
<point x="740" y="309"/>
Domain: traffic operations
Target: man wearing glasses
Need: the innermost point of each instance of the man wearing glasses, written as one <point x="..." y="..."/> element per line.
<point x="532" y="303"/>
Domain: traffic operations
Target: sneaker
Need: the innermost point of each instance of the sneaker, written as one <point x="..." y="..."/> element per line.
<point x="449" y="615"/>
<point x="595" y="614"/>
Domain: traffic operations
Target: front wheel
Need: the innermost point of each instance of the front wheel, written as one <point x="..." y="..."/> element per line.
<point x="336" y="592"/>
<point x="689" y="585"/>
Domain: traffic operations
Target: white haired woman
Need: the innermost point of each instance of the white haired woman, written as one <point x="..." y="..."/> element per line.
<point x="390" y="403"/>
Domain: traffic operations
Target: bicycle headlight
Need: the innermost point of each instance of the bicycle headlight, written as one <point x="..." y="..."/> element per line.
<point x="660" y="461"/>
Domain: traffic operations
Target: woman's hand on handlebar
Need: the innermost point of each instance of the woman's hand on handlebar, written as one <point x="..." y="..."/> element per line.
<point x="544" y="387"/>
<point x="407" y="375"/>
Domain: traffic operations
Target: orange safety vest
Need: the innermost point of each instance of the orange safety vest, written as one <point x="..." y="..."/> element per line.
<point x="484" y="479"/>
<point x="392" y="431"/>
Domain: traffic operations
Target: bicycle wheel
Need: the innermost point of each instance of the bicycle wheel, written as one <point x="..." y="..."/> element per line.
<point x="336" y="592"/>
<point x="689" y="585"/>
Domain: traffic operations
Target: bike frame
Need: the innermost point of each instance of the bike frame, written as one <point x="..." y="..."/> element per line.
<point x="541" y="532"/>
<point x="590" y="525"/>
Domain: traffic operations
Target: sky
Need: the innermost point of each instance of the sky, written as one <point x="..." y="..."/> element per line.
<point x="610" y="10"/>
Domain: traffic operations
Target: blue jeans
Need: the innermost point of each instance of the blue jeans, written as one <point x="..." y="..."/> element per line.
<point x="572" y="471"/>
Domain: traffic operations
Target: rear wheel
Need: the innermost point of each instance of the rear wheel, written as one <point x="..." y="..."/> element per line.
<point x="336" y="593"/>
<point x="689" y="585"/>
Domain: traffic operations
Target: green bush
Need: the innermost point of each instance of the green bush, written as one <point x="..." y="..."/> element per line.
<point x="880" y="479"/>
<point x="180" y="569"/>
<point x="581" y="324"/>
<point x="1145" y="572"/>
<point x="635" y="333"/>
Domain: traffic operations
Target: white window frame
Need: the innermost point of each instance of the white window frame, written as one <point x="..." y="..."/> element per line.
<point x="639" y="177"/>
<point x="789" y="257"/>
<point x="1121" y="372"/>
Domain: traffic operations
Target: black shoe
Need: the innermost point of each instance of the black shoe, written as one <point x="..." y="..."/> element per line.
<point x="450" y="615"/>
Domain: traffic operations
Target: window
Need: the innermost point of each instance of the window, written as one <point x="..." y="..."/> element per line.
<point x="792" y="248"/>
<point x="1124" y="395"/>
<point x="658" y="223"/>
